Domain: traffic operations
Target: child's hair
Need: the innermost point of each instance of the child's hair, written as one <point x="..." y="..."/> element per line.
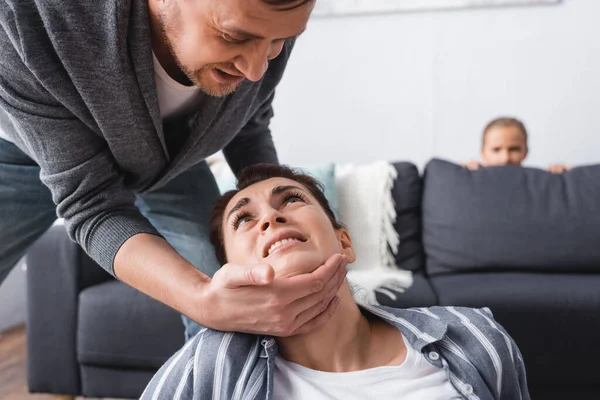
<point x="258" y="173"/>
<point x="502" y="122"/>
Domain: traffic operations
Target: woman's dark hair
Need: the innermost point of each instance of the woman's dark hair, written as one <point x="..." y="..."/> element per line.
<point x="258" y="173"/>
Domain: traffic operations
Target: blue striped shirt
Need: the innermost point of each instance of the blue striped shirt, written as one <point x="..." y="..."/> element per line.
<point x="480" y="359"/>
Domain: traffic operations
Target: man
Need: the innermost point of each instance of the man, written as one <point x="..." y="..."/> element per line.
<point x="504" y="142"/>
<point x="107" y="111"/>
<point x="369" y="352"/>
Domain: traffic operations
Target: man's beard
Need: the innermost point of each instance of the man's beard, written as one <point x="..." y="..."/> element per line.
<point x="200" y="77"/>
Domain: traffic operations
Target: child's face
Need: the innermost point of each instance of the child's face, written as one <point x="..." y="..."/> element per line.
<point x="503" y="145"/>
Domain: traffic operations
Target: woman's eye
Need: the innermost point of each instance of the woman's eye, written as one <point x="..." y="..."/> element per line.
<point x="242" y="219"/>
<point x="293" y="199"/>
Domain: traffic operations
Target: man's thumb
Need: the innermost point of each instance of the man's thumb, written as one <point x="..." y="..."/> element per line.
<point x="261" y="274"/>
<point x="248" y="275"/>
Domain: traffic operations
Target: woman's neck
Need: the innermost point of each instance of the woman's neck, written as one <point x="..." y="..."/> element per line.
<point x="347" y="342"/>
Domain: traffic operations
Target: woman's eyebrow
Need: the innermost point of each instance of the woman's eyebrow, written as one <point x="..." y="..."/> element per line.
<point x="241" y="203"/>
<point x="284" y="188"/>
<point x="277" y="190"/>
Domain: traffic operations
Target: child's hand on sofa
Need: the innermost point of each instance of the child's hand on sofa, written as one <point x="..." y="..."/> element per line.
<point x="558" y="168"/>
<point x="472" y="165"/>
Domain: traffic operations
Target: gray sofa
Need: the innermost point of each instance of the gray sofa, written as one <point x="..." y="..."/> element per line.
<point x="520" y="241"/>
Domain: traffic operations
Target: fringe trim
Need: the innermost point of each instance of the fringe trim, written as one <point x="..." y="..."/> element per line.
<point x="366" y="283"/>
<point x="389" y="239"/>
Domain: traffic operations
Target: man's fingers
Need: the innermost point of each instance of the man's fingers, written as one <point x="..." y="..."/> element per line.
<point x="235" y="275"/>
<point x="329" y="291"/>
<point x="303" y="285"/>
<point x="315" y="317"/>
<point x="336" y="276"/>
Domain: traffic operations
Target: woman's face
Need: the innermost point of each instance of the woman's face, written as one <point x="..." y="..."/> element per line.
<point x="278" y="222"/>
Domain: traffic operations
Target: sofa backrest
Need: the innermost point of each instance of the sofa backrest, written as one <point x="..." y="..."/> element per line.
<point x="407" y="193"/>
<point x="510" y="218"/>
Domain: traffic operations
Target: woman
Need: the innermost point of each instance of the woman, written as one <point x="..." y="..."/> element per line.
<point x="281" y="218"/>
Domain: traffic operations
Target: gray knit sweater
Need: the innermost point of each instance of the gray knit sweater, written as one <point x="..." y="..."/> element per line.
<point x="77" y="94"/>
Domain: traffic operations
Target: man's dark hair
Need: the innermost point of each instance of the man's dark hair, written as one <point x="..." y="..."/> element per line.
<point x="258" y="173"/>
<point x="287" y="4"/>
<point x="501" y="122"/>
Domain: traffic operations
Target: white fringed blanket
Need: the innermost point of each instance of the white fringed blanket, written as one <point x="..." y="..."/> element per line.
<point x="366" y="207"/>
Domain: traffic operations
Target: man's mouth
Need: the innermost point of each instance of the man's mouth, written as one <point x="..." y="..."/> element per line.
<point x="227" y="78"/>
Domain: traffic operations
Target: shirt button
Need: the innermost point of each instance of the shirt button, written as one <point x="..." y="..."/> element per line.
<point x="468" y="389"/>
<point x="434" y="356"/>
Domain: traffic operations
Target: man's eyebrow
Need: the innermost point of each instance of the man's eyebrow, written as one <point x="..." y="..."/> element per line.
<point x="241" y="203"/>
<point x="249" y="35"/>
<point x="284" y="188"/>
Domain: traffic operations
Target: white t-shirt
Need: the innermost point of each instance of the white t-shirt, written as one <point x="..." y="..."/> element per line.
<point x="415" y="379"/>
<point x="173" y="97"/>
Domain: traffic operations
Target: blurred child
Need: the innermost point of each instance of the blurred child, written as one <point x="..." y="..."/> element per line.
<point x="504" y="142"/>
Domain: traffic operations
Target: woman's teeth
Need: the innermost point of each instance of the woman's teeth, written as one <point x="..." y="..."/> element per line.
<point x="279" y="243"/>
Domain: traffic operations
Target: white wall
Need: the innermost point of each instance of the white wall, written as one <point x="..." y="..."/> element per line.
<point x="417" y="85"/>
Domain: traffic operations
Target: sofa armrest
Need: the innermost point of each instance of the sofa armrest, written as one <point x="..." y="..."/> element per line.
<point x="57" y="270"/>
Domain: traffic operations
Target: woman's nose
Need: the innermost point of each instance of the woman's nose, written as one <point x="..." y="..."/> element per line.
<point x="271" y="220"/>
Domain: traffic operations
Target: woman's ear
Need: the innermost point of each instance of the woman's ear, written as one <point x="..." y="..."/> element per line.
<point x="346" y="244"/>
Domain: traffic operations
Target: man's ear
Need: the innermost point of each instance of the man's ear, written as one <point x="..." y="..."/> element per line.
<point x="346" y="244"/>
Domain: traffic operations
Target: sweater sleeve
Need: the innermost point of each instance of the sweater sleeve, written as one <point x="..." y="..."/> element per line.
<point x="75" y="160"/>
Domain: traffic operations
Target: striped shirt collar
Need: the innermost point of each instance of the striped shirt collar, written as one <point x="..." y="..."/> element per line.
<point x="420" y="326"/>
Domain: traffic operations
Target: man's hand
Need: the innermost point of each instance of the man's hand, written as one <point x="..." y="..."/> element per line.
<point x="472" y="165"/>
<point x="247" y="298"/>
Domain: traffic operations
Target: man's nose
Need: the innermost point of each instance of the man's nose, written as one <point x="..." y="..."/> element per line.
<point x="256" y="69"/>
<point x="257" y="60"/>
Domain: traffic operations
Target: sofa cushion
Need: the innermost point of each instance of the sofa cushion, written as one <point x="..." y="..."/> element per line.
<point x="510" y="218"/>
<point x="121" y="327"/>
<point x="114" y="383"/>
<point x="553" y="318"/>
<point x="407" y="193"/>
